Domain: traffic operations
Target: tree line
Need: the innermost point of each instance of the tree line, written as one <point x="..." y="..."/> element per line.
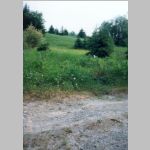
<point x="103" y="39"/>
<point x="63" y="31"/>
<point x="33" y="18"/>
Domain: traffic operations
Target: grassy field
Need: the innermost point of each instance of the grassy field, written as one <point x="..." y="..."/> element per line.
<point x="66" y="69"/>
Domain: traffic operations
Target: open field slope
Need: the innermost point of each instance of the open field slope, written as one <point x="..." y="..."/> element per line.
<point x="60" y="41"/>
<point x="63" y="68"/>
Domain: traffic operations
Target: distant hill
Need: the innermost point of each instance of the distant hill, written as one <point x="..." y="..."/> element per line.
<point x="59" y="41"/>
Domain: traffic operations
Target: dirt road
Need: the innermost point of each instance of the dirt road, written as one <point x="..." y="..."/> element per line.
<point x="83" y="124"/>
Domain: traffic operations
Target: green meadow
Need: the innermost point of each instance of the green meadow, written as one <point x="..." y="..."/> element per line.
<point x="63" y="68"/>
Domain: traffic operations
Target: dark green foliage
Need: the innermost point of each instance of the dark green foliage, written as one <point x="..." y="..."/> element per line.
<point x="32" y="18"/>
<point x="43" y="46"/>
<point x="81" y="43"/>
<point x="65" y="32"/>
<point x="126" y="54"/>
<point x="78" y="43"/>
<point x="118" y="28"/>
<point x="51" y="30"/>
<point x="86" y="42"/>
<point x="121" y="31"/>
<point x="72" y="33"/>
<point x="101" y="43"/>
<point x="26" y="17"/>
<point x="81" y="34"/>
<point x="56" y="31"/>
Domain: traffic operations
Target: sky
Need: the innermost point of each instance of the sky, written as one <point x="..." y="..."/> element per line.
<point x="74" y="15"/>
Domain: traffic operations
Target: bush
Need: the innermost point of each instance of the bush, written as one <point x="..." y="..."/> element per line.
<point x="31" y="37"/>
<point x="112" y="72"/>
<point x="43" y="46"/>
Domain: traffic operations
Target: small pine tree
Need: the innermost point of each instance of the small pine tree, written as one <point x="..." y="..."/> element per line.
<point x="101" y="43"/>
<point x="81" y="34"/>
<point x="51" y="30"/>
<point x="65" y="32"/>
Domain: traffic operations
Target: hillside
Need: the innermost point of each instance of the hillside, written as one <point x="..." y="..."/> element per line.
<point x="58" y="41"/>
<point x="70" y="70"/>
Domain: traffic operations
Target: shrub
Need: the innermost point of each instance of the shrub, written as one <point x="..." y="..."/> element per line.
<point x="43" y="46"/>
<point x="31" y="37"/>
<point x="112" y="72"/>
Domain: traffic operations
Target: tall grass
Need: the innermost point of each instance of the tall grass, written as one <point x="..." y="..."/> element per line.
<point x="71" y="70"/>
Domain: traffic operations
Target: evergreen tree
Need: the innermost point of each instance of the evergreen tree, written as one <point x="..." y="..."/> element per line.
<point x="65" y="32"/>
<point x="51" y="30"/>
<point x="101" y="43"/>
<point x="81" y="34"/>
<point x="33" y="18"/>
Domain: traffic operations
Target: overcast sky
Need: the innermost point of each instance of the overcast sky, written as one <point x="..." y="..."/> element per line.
<point x="74" y="15"/>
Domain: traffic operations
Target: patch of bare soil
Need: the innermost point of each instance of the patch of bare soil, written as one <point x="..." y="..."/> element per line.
<point x="87" y="123"/>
